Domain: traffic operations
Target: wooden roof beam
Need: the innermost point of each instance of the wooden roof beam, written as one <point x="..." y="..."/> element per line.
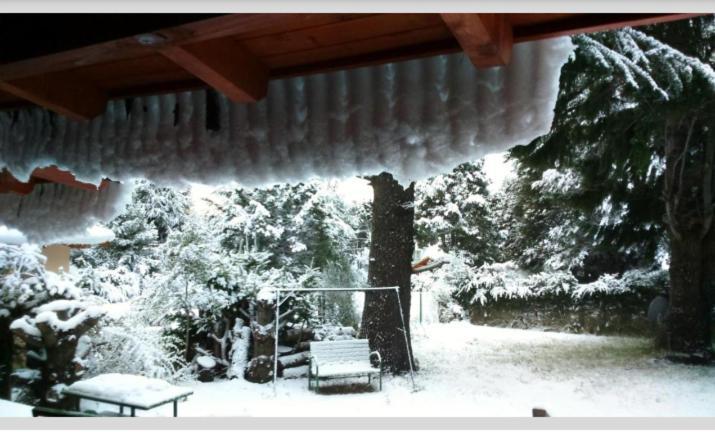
<point x="60" y="93"/>
<point x="225" y="65"/>
<point x="486" y="38"/>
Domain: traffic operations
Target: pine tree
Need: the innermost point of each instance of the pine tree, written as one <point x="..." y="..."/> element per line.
<point x="632" y="130"/>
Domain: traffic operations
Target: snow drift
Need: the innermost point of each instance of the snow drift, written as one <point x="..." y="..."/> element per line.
<point x="414" y="119"/>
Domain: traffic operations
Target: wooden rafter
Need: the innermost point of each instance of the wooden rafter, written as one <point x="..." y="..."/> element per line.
<point x="225" y="65"/>
<point x="60" y="93"/>
<point x="487" y="39"/>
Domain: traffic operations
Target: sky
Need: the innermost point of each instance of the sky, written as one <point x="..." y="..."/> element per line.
<point x="357" y="190"/>
<point x="497" y="170"/>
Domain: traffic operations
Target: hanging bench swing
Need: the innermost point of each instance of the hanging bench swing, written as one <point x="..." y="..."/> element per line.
<point x="340" y="359"/>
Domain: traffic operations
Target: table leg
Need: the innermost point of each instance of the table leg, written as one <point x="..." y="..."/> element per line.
<point x="176" y="408"/>
<point x="78" y="400"/>
<point x="133" y="415"/>
<point x="121" y="409"/>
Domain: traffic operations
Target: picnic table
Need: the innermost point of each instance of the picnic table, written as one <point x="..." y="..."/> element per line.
<point x="130" y="391"/>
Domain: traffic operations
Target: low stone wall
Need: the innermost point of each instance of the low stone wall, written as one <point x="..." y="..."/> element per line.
<point x="608" y="315"/>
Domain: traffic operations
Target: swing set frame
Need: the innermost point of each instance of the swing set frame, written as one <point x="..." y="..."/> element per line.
<point x="278" y="292"/>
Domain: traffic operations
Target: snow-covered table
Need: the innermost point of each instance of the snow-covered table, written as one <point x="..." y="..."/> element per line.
<point x="132" y="391"/>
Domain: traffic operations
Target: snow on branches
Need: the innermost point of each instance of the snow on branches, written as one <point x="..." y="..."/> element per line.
<point x="557" y="181"/>
<point x="643" y="59"/>
<point x="492" y="282"/>
<point x="25" y="282"/>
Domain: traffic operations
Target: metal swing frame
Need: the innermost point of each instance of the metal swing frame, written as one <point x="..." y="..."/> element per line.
<point x="278" y="292"/>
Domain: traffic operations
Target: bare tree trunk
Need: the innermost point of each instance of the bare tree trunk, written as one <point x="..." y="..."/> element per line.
<point x="390" y="265"/>
<point x="6" y="350"/>
<point x="187" y="335"/>
<point x="688" y="188"/>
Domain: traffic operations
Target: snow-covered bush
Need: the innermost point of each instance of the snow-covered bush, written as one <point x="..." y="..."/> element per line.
<point x="506" y="281"/>
<point x="452" y="211"/>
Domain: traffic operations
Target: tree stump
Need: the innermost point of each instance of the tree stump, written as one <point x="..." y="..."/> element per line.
<point x="260" y="368"/>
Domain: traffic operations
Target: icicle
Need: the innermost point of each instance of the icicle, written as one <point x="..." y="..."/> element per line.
<point x="414" y="119"/>
<point x="53" y="211"/>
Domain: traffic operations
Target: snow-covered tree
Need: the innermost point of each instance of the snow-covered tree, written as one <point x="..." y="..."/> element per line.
<point x="632" y="128"/>
<point x="453" y="211"/>
<point x="116" y="270"/>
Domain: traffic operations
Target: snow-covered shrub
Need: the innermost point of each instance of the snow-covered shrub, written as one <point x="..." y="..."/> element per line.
<point x="452" y="211"/>
<point x="134" y="344"/>
<point x="56" y="336"/>
<point x="115" y="285"/>
<point x="25" y="282"/>
<point x="339" y="307"/>
<point x="507" y="295"/>
<point x="446" y="284"/>
<point x="504" y="281"/>
<point x="24" y="285"/>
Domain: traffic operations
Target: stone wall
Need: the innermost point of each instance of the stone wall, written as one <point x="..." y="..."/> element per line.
<point x="607" y="315"/>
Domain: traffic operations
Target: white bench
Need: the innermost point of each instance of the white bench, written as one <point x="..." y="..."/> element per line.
<point x="342" y="359"/>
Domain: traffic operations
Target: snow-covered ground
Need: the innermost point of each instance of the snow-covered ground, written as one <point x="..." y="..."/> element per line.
<point x="471" y="370"/>
<point x="12" y="409"/>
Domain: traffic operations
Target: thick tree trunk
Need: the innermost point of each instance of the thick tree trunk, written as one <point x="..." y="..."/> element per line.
<point x="6" y="350"/>
<point x="390" y="265"/>
<point x="689" y="308"/>
<point x="260" y="368"/>
<point x="688" y="184"/>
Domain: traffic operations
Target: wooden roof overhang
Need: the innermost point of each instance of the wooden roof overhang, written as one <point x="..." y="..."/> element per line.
<point x="73" y="64"/>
